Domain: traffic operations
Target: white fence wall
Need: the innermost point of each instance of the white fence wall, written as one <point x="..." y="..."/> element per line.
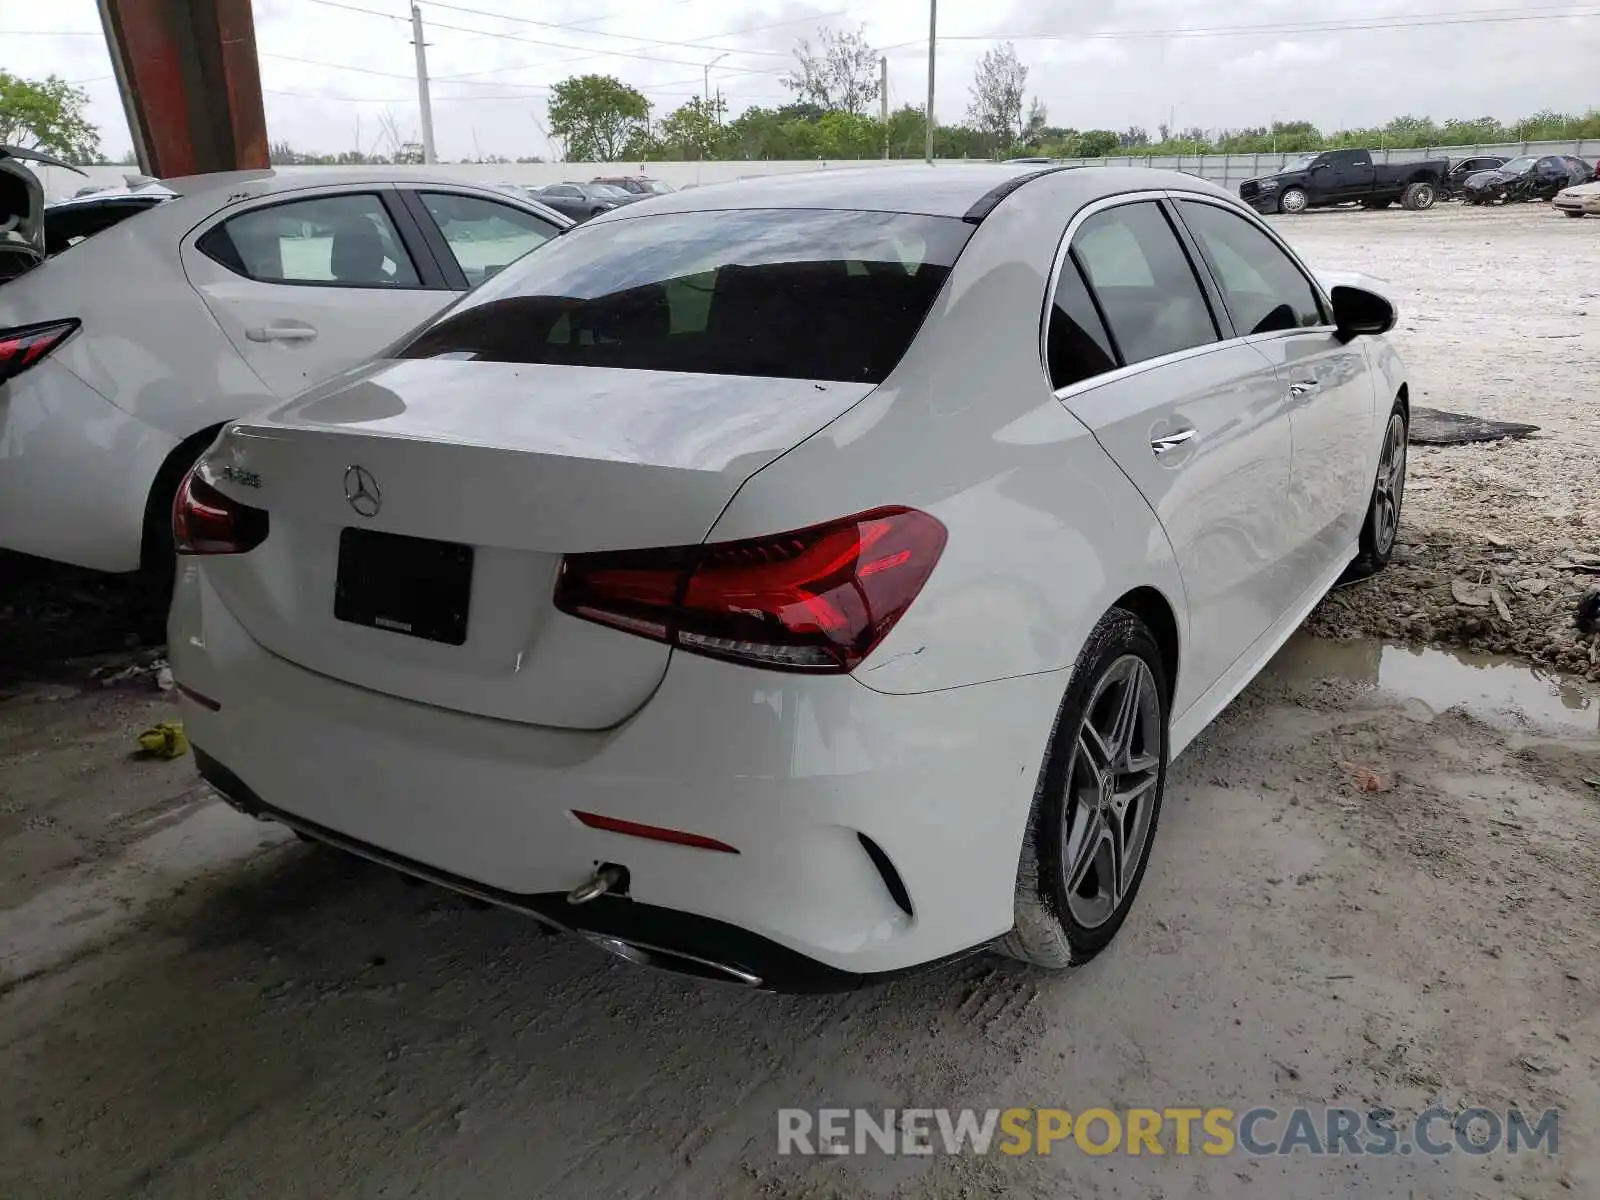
<point x="1229" y="170"/>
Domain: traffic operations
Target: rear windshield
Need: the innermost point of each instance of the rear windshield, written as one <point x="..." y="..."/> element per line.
<point x="799" y="294"/>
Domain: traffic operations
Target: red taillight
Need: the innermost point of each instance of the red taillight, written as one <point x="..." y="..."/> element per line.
<point x="816" y="599"/>
<point x="20" y="348"/>
<point x="204" y="521"/>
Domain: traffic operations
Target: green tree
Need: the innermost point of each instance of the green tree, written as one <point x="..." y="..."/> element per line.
<point x="693" y="130"/>
<point x="997" y="91"/>
<point x="47" y="115"/>
<point x="907" y="132"/>
<point x="1036" y="128"/>
<point x="1097" y="143"/>
<point x="839" y="74"/>
<point x="848" y="135"/>
<point x="597" y="116"/>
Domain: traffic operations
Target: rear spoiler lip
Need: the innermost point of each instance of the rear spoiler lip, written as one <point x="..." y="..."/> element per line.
<point x="39" y="156"/>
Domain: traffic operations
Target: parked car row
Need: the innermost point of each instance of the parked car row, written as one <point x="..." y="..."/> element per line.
<point x="1333" y="177"/>
<point x="580" y="201"/>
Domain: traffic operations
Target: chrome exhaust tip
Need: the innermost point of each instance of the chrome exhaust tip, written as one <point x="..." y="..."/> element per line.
<point x="644" y="955"/>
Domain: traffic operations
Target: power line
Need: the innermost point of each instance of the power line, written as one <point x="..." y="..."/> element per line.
<point x="695" y="45"/>
<point x="589" y="51"/>
<point x="520" y="97"/>
<point x="1420" y="21"/>
<point x="312" y="62"/>
<point x="628" y="37"/>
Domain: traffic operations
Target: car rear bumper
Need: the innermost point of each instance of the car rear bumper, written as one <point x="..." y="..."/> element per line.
<point x="1583" y="204"/>
<point x="846" y="807"/>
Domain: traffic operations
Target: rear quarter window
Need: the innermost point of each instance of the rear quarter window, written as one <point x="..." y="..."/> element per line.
<point x="800" y="294"/>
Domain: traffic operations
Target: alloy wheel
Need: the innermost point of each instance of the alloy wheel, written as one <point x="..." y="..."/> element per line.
<point x="1391" y="485"/>
<point x="1112" y="783"/>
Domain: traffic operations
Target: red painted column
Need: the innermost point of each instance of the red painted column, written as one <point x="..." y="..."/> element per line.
<point x="190" y="83"/>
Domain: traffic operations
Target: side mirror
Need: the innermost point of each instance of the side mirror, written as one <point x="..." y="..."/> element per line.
<point x="1319" y="166"/>
<point x="1360" y="313"/>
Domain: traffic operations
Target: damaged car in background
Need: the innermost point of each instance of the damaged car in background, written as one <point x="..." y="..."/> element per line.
<point x="1531" y="177"/>
<point x="23" y="245"/>
<point x="1463" y="169"/>
<point x="195" y="302"/>
<point x="35" y="230"/>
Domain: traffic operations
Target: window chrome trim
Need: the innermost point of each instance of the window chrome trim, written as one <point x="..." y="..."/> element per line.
<point x="1143" y="365"/>
<point x="1128" y="371"/>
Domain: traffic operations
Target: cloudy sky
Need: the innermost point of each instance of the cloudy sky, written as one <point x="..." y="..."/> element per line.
<point x="333" y="70"/>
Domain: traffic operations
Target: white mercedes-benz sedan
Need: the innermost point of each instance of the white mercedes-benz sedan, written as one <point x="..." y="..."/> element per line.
<point x="133" y="327"/>
<point x="795" y="580"/>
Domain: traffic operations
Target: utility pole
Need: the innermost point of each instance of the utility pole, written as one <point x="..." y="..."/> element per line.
<point x="933" y="34"/>
<point x="422" y="85"/>
<point x="707" y="81"/>
<point x="883" y="99"/>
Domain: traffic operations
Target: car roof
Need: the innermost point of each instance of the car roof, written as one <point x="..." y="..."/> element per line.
<point x="261" y="183"/>
<point x="940" y="191"/>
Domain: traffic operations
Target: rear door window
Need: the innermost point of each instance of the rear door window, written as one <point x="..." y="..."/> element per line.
<point x="1077" y="346"/>
<point x="799" y="294"/>
<point x="1144" y="282"/>
<point x="336" y="241"/>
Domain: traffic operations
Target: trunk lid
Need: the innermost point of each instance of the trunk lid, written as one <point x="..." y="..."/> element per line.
<point x="521" y="463"/>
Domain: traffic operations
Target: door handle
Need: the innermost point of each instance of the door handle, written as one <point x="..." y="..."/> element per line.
<point x="281" y="333"/>
<point x="1301" y="388"/>
<point x="1172" y="441"/>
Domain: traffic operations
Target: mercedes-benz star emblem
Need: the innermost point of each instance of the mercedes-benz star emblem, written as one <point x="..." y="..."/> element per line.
<point x="361" y="489"/>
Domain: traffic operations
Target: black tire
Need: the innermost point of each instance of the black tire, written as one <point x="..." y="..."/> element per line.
<point x="1381" y="529"/>
<point x="1293" y="200"/>
<point x="1419" y="196"/>
<point x="1057" y="923"/>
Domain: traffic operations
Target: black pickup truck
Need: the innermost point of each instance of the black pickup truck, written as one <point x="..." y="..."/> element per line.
<point x="1344" y="177"/>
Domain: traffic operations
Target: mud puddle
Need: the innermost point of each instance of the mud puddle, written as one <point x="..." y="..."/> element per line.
<point x="1504" y="692"/>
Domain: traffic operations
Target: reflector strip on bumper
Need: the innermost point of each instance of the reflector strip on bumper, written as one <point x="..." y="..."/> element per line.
<point x="654" y="832"/>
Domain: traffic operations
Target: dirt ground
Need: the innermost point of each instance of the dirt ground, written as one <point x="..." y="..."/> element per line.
<point x="1499" y="318"/>
<point x="1376" y="884"/>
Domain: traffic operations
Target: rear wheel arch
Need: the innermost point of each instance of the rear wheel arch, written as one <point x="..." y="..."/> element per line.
<point x="1153" y="608"/>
